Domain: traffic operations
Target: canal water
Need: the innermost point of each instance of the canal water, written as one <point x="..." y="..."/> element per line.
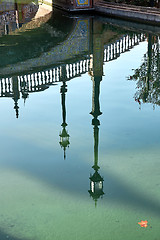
<point x="79" y="126"/>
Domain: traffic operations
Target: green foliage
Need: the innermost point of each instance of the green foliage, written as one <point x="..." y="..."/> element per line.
<point x="147" y="76"/>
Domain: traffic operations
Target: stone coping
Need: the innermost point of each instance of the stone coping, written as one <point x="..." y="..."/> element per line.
<point x="129" y="12"/>
<point x="129" y="7"/>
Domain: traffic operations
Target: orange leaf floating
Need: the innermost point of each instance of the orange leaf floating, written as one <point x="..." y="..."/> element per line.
<point x="143" y="223"/>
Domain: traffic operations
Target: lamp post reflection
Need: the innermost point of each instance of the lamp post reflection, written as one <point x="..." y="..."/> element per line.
<point x="96" y="73"/>
<point x="64" y="136"/>
<point x="96" y="181"/>
<point x="15" y="95"/>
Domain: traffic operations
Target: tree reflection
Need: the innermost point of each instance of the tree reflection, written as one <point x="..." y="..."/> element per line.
<point x="147" y="75"/>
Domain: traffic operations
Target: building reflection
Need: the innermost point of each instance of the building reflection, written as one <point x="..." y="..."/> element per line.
<point x="13" y="14"/>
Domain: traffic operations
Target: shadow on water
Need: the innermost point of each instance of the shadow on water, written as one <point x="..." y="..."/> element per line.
<point x="116" y="191"/>
<point x="6" y="236"/>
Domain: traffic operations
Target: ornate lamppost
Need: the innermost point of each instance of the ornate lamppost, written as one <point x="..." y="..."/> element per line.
<point x="16" y="95"/>
<point x="96" y="73"/>
<point x="64" y="136"/>
<point x="96" y="181"/>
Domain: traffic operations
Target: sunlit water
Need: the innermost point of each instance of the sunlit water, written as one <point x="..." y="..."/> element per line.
<point x="45" y="195"/>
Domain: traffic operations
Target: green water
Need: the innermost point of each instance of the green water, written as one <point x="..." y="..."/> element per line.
<point x="46" y="196"/>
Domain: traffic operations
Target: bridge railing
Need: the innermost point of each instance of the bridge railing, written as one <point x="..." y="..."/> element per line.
<point x="77" y="69"/>
<point x="6" y="88"/>
<point x="41" y="80"/>
<point x="112" y="51"/>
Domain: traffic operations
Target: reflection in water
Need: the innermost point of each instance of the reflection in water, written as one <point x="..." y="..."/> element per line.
<point x="16" y="95"/>
<point x="96" y="72"/>
<point x="13" y="14"/>
<point x="40" y="65"/>
<point x="147" y="76"/>
<point x="56" y="54"/>
<point x="95" y="48"/>
<point x="96" y="181"/>
<point x="64" y="136"/>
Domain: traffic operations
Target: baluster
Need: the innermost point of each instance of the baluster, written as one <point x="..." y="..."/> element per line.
<point x="77" y="68"/>
<point x="84" y="65"/>
<point x="67" y="70"/>
<point x="40" y="78"/>
<point x="57" y="74"/>
<point x="70" y="70"/>
<point x="50" y="76"/>
<point x="1" y="83"/>
<point x="105" y="55"/>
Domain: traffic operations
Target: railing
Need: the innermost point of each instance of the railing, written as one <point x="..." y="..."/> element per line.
<point x="6" y="88"/>
<point x="112" y="51"/>
<point x="40" y="81"/>
<point x="76" y="69"/>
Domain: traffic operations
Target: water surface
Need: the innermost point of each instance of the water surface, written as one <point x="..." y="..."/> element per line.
<point x="79" y="129"/>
